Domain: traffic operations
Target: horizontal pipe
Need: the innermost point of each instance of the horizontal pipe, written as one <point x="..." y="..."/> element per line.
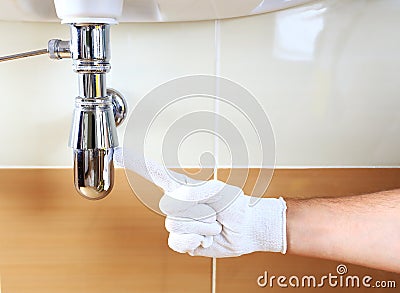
<point x="23" y="55"/>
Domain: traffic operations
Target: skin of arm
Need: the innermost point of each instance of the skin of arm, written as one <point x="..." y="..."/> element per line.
<point x="363" y="230"/>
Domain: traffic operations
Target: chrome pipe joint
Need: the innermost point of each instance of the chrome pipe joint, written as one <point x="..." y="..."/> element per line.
<point x="93" y="134"/>
<point x="93" y="139"/>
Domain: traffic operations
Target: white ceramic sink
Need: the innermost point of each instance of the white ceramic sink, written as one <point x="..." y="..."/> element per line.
<point x="151" y="10"/>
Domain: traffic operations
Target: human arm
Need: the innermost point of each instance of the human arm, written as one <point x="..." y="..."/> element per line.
<point x="363" y="229"/>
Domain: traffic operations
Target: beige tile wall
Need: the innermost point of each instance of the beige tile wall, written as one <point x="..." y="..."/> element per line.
<point x="326" y="74"/>
<point x="38" y="93"/>
<point x="52" y="240"/>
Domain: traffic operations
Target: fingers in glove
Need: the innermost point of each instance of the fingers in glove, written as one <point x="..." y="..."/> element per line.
<point x="184" y="243"/>
<point x="149" y="169"/>
<point x="187" y="226"/>
<point x="187" y="209"/>
<point x="219" y="248"/>
<point x="201" y="191"/>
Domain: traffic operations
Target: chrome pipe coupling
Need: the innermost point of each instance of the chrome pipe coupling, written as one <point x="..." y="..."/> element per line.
<point x="90" y="47"/>
<point x="93" y="139"/>
<point x="58" y="49"/>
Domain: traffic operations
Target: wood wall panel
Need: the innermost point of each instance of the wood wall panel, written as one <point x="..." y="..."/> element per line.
<point x="52" y="240"/>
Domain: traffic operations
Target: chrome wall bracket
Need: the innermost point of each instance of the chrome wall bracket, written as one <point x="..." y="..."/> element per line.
<point x="120" y="107"/>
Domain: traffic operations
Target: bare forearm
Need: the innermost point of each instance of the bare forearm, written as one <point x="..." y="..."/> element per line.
<point x="362" y="230"/>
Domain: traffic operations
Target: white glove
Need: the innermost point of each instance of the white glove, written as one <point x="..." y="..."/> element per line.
<point x="214" y="219"/>
<point x="221" y="223"/>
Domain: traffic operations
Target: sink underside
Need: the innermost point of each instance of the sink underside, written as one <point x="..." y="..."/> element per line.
<point x="152" y="10"/>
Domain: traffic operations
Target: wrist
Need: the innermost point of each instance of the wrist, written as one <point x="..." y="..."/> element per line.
<point x="269" y="218"/>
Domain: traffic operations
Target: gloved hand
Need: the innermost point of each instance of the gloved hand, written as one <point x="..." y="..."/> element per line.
<point x="214" y="219"/>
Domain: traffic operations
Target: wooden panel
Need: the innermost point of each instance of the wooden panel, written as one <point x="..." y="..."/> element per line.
<point x="52" y="240"/>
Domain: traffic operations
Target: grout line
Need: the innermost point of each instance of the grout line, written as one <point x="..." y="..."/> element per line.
<point x="217" y="94"/>
<point x="221" y="167"/>
<point x="217" y="42"/>
<point x="287" y="167"/>
<point x="214" y="275"/>
<point x="35" y="167"/>
<point x="277" y="168"/>
<point x="330" y="167"/>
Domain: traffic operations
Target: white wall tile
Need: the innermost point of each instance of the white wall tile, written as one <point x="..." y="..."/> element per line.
<point x="38" y="93"/>
<point x="326" y="74"/>
<point x="148" y="55"/>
